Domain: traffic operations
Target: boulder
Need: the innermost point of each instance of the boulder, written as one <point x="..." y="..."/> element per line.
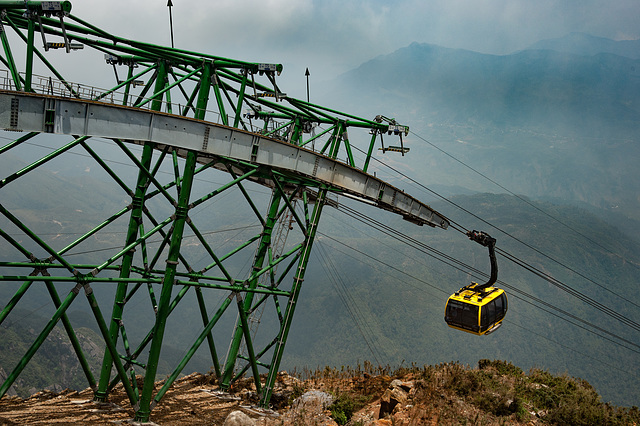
<point x="396" y="393"/>
<point x="238" y="418"/>
<point x="313" y="402"/>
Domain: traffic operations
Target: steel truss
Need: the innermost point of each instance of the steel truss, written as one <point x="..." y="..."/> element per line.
<point x="190" y="113"/>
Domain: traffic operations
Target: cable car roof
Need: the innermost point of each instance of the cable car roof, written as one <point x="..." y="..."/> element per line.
<point x="473" y="297"/>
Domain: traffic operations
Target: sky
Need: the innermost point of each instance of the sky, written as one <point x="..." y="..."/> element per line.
<point x="333" y="36"/>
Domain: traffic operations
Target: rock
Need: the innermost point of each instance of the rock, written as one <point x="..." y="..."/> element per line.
<point x="313" y="402"/>
<point x="308" y="409"/>
<point x="238" y="418"/>
<point x="397" y="393"/>
<point x="3" y="376"/>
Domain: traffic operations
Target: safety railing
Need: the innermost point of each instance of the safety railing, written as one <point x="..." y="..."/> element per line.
<point x="65" y="89"/>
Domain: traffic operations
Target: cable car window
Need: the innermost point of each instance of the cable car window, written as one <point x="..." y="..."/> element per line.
<point x="505" y="303"/>
<point x="485" y="318"/>
<point x="491" y="311"/>
<point x="463" y="315"/>
<point x="500" y="309"/>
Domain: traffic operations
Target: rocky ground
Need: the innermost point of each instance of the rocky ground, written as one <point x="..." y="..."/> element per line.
<point x="496" y="393"/>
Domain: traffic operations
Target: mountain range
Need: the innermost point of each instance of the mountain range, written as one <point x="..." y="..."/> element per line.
<point x="553" y="123"/>
<point x="588" y="45"/>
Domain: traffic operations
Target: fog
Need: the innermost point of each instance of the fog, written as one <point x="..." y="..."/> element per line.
<point x="331" y="37"/>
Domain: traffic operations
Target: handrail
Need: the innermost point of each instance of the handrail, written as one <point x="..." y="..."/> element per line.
<point x="65" y="89"/>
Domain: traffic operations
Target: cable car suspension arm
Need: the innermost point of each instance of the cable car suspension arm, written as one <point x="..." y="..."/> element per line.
<point x="486" y="240"/>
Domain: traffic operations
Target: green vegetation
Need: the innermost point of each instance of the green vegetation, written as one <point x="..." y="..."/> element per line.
<point x="345" y="405"/>
<point x="502" y="389"/>
<point x="495" y="392"/>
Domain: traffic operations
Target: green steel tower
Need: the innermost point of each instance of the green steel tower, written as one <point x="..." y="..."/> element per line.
<point x="175" y="117"/>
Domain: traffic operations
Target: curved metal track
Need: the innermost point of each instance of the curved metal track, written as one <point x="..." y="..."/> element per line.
<point x="26" y="112"/>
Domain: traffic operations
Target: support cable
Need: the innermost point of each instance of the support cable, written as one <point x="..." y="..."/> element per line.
<point x="524" y="200"/>
<point x="523" y="299"/>
<point x="439" y="255"/>
<point x="463" y="230"/>
<point x="348" y="302"/>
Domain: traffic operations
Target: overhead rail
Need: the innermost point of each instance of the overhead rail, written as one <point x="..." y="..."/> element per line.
<point x="28" y="112"/>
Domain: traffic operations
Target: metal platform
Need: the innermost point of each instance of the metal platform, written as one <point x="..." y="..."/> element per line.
<point x="29" y="112"/>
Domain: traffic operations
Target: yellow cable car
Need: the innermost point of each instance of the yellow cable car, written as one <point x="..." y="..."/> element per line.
<point x="478" y="309"/>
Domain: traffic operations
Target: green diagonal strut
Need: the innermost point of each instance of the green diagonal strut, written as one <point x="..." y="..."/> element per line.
<point x="135" y="222"/>
<point x="125" y="271"/>
<point x="252" y="283"/>
<point x="144" y="410"/>
<point x="293" y="298"/>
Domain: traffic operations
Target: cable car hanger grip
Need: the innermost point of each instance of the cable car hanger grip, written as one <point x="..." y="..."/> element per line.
<point x="486" y="240"/>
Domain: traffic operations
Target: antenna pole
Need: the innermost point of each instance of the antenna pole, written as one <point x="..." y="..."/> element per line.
<point x="307" y="74"/>
<point x="170" y="5"/>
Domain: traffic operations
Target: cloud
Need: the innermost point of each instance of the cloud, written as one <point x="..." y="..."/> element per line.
<point x="333" y="36"/>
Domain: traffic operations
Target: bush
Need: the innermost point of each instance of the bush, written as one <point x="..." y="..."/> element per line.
<point x="344" y="406"/>
<point x="502" y="367"/>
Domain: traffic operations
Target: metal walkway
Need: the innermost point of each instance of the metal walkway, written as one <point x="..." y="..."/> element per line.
<point x="28" y="112"/>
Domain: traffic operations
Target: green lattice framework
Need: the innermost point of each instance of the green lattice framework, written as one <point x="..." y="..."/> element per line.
<point x="166" y="99"/>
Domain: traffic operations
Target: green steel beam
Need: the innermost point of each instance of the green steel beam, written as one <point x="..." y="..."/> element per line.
<point x="288" y="202"/>
<point x="42" y="161"/>
<point x="149" y="336"/>
<point x="107" y="169"/>
<point x="210" y="342"/>
<point x="54" y="254"/>
<point x="101" y="393"/>
<point x="72" y="335"/>
<point x="144" y="409"/>
<point x="295" y="293"/>
<point x="193" y="349"/>
<point x="248" y="341"/>
<point x="135" y="221"/>
<point x="9" y="57"/>
<point x="41" y="57"/>
<point x="111" y="346"/>
<point x="17" y="142"/>
<point x="245" y="193"/>
<point x="238" y="109"/>
<point x="365" y="167"/>
<point x="126" y="83"/>
<point x="14" y="300"/>
<point x="33" y="6"/>
<point x="252" y="283"/>
<point x="88" y="278"/>
<point x="193" y="77"/>
<point x="119" y="47"/>
<point x="29" y="64"/>
<point x="216" y="90"/>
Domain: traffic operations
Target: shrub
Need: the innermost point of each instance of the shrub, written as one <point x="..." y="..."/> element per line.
<point x="344" y="406"/>
<point x="502" y="367"/>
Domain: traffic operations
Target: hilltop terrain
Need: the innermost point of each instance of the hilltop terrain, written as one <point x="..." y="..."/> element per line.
<point x="495" y="393"/>
<point x="586" y="44"/>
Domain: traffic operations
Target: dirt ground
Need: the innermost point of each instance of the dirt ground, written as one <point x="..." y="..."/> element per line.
<point x="192" y="400"/>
